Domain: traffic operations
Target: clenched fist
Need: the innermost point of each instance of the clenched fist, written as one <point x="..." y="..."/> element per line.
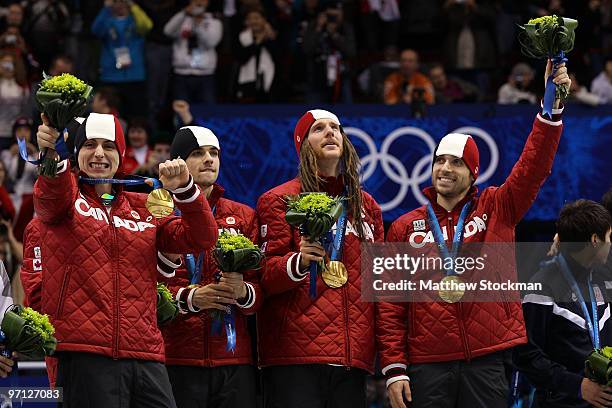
<point x="173" y="174"/>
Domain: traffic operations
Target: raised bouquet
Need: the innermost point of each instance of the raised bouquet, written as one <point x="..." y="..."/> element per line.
<point x="598" y="366"/>
<point x="233" y="253"/>
<point x="314" y="214"/>
<point x="167" y="307"/>
<point x="61" y="98"/>
<point x="27" y="332"/>
<point x="549" y="37"/>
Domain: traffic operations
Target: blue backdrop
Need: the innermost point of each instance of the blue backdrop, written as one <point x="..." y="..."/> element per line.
<point x="258" y="151"/>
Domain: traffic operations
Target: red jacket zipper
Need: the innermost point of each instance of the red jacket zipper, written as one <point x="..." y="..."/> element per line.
<point x="116" y="296"/>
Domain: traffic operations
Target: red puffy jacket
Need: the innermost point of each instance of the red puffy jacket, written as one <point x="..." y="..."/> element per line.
<point x="31" y="279"/>
<point x="99" y="276"/>
<point x="435" y="332"/>
<point x="336" y="327"/>
<point x="188" y="338"/>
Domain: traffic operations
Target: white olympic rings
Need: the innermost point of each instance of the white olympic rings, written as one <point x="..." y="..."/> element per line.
<point x="396" y="171"/>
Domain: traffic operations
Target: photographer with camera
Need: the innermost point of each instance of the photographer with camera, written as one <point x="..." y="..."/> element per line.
<point x="329" y="44"/>
<point x="408" y="85"/>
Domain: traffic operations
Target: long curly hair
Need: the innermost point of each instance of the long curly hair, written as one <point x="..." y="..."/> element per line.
<point x="349" y="167"/>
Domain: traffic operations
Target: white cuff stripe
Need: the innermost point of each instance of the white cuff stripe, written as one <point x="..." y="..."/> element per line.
<point x="396" y="379"/>
<point x="167" y="275"/>
<point x="396" y="365"/>
<point x="293" y="271"/>
<point x="167" y="261"/>
<point x="190" y="305"/>
<point x="190" y="199"/>
<point x="178" y="295"/>
<point x="62" y="166"/>
<point x="250" y="296"/>
<point x="184" y="189"/>
<point x="549" y="122"/>
<point x="557" y="111"/>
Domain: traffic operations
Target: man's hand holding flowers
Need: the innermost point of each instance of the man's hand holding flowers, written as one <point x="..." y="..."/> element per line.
<point x="561" y="78"/>
<point x="214" y="296"/>
<point x="46" y="135"/>
<point x="236" y="282"/>
<point x="310" y="252"/>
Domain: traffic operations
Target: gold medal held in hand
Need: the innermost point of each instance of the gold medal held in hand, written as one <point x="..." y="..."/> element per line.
<point x="453" y="289"/>
<point x="335" y="274"/>
<point x="160" y="203"/>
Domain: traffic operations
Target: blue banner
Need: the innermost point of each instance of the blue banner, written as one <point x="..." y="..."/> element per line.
<point x="257" y="150"/>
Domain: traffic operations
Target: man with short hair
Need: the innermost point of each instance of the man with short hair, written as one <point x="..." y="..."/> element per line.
<point x="202" y="370"/>
<point x="460" y="363"/>
<point x="99" y="245"/>
<point x="568" y="318"/>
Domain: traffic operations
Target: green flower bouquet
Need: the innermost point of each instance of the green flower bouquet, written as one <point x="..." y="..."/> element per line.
<point x="236" y="253"/>
<point x="233" y="253"/>
<point x="549" y="37"/>
<point x="598" y="366"/>
<point x="167" y="307"/>
<point x="28" y="332"/>
<point x="314" y="214"/>
<point x="61" y="98"/>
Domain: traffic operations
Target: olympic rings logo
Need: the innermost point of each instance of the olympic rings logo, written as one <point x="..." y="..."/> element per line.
<point x="397" y="172"/>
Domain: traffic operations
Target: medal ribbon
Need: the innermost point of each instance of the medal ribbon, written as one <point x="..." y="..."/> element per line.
<point x="153" y="182"/>
<point x="338" y="242"/>
<point x="592" y="323"/>
<point x="60" y="148"/>
<point x="439" y="237"/>
<point x="551" y="89"/>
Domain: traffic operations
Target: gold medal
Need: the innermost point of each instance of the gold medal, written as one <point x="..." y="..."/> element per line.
<point x="335" y="274"/>
<point x="455" y="291"/>
<point x="160" y="203"/>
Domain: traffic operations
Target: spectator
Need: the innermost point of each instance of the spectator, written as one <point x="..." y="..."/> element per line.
<point x="122" y="26"/>
<point x="106" y="100"/>
<point x="255" y="54"/>
<point x="581" y="94"/>
<point x="516" y="90"/>
<point x="13" y="18"/>
<point x="7" y="209"/>
<point x="371" y="80"/>
<point x="139" y="152"/>
<point x="158" y="53"/>
<point x="380" y="21"/>
<point x="196" y="33"/>
<point x="329" y="44"/>
<point x="61" y="64"/>
<point x="13" y="94"/>
<point x="470" y="38"/>
<point x="407" y="82"/>
<point x="451" y="90"/>
<point x="45" y="26"/>
<point x="20" y="174"/>
<point x="602" y="84"/>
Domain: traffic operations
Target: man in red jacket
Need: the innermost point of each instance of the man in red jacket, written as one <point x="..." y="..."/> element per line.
<point x="202" y="370"/>
<point x="316" y="353"/>
<point x="99" y="245"/>
<point x="460" y="362"/>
